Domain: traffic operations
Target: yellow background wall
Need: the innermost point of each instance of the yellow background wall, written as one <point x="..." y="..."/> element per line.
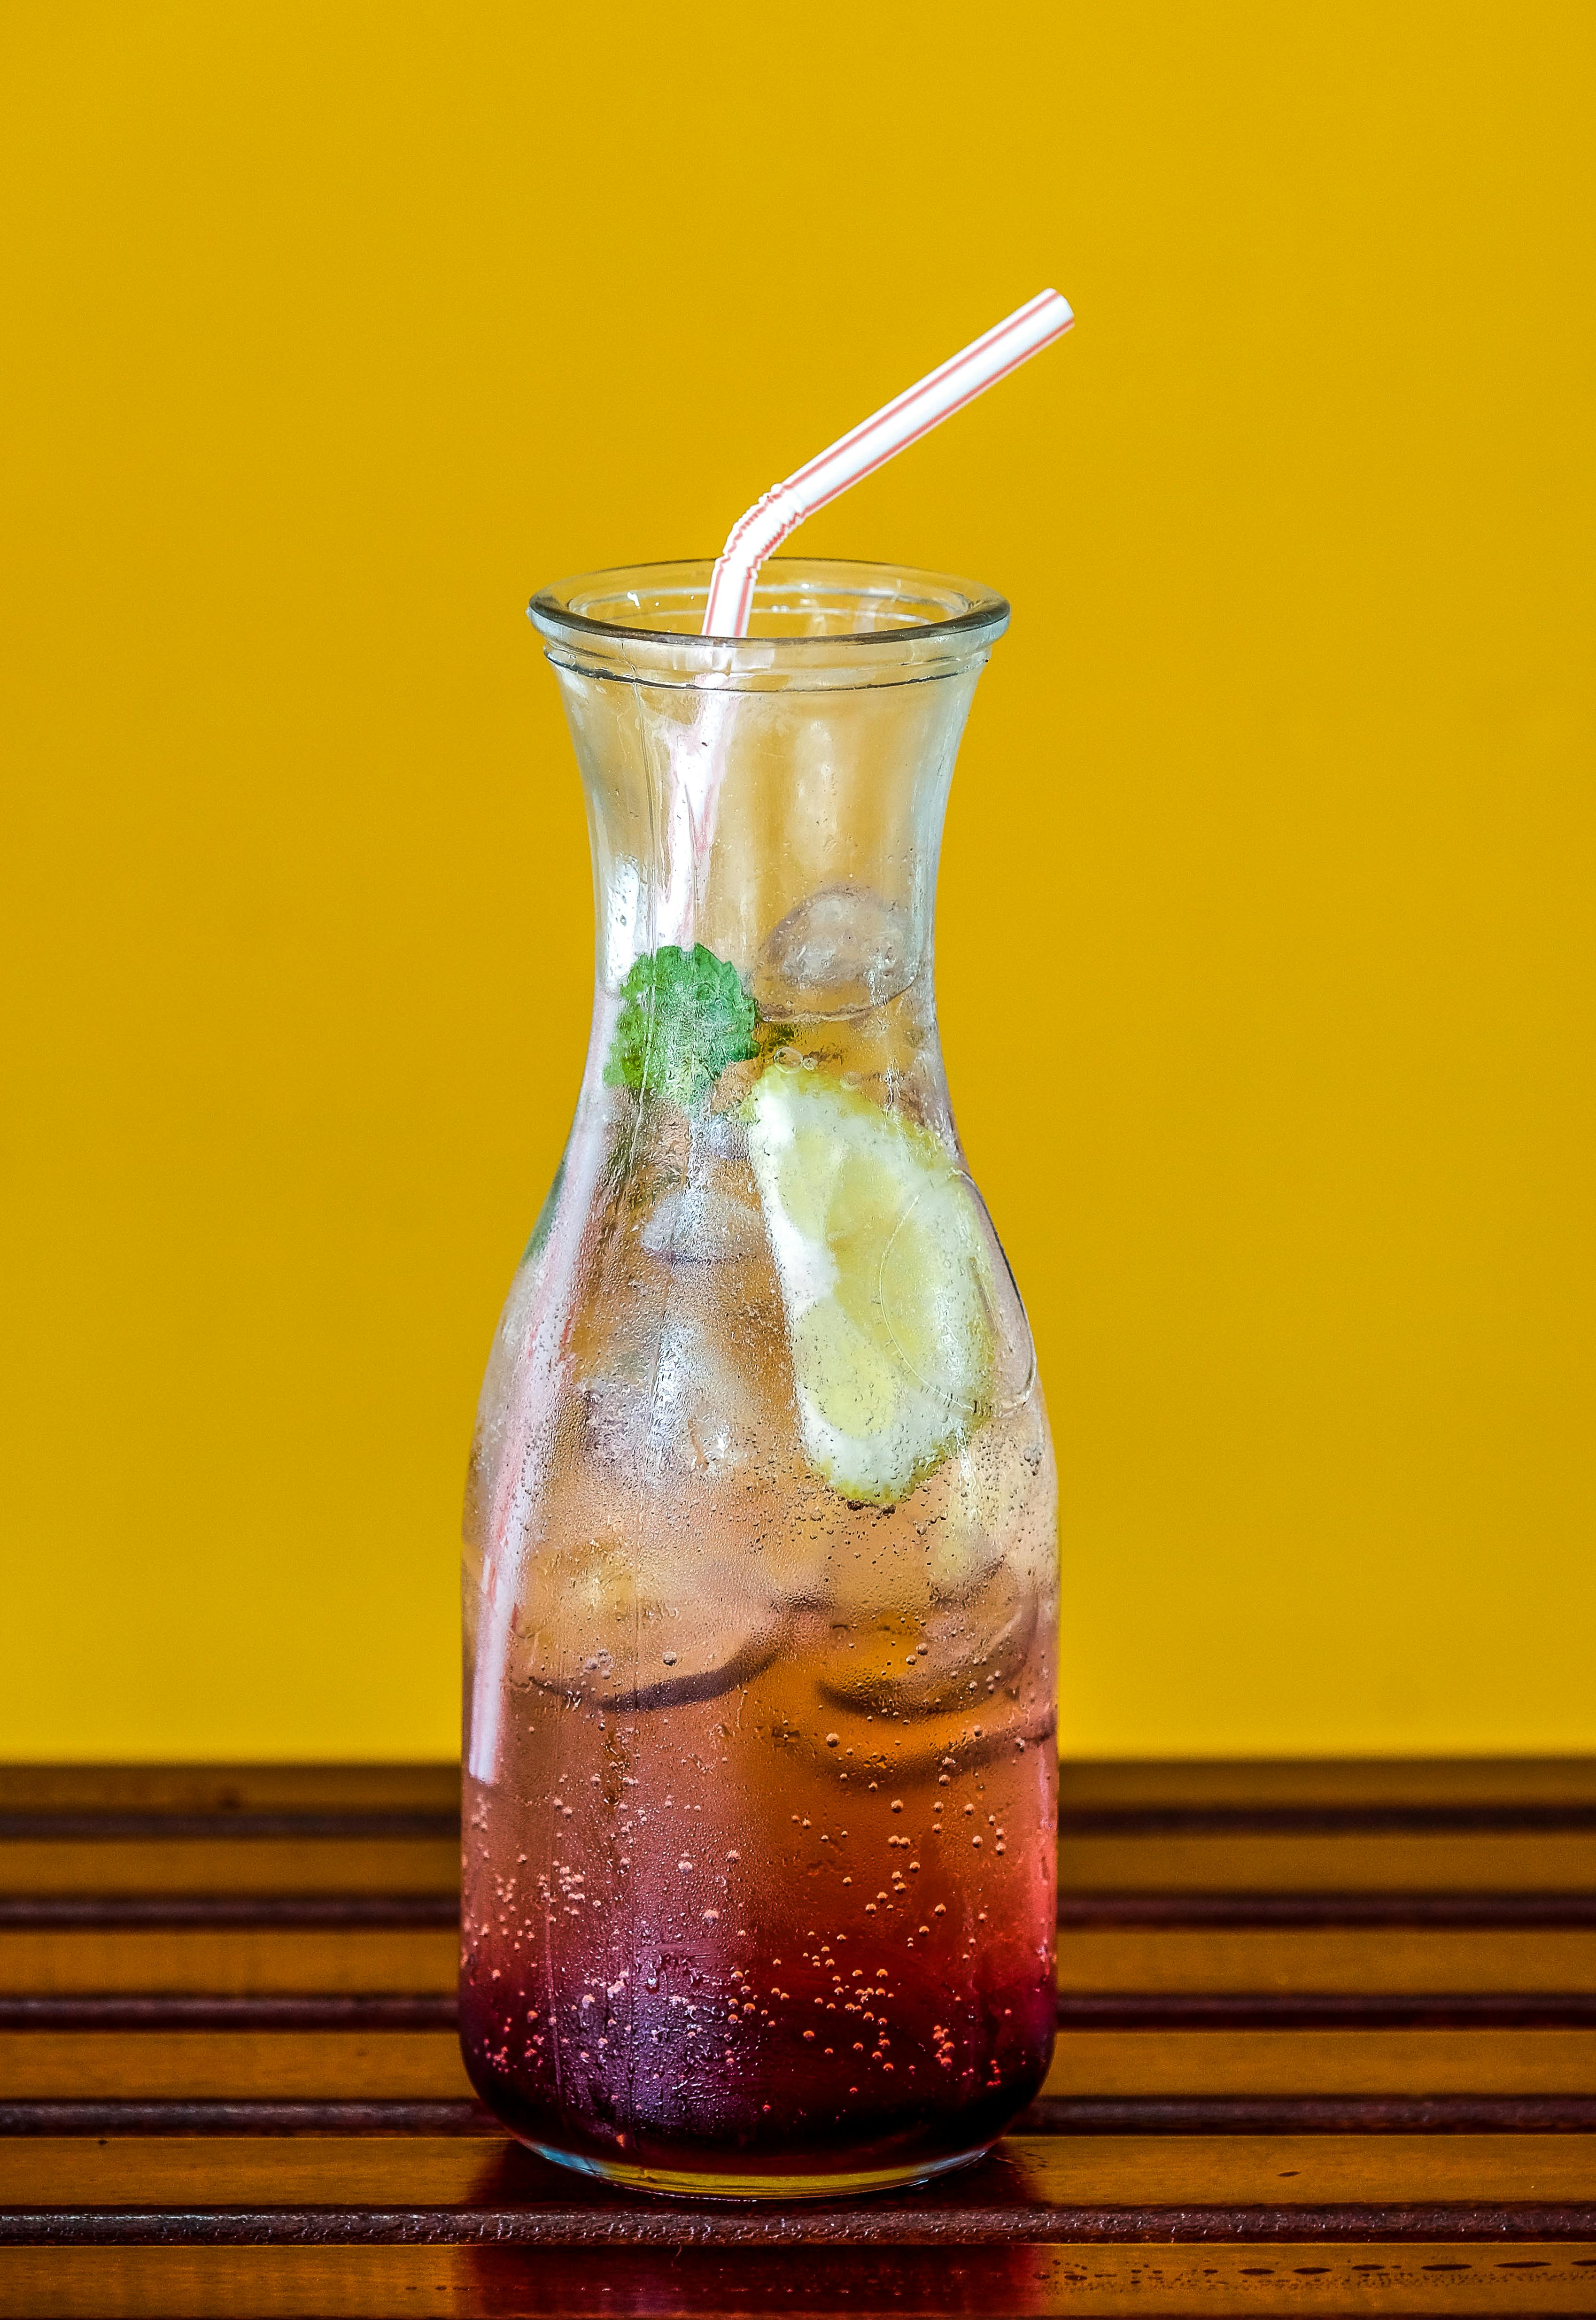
<point x="1266" y="952"/>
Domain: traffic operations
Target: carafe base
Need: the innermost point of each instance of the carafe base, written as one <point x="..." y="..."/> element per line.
<point x="671" y="2183"/>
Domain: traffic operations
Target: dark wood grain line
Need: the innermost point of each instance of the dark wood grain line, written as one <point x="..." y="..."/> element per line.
<point x="907" y="2221"/>
<point x="1337" y="1782"/>
<point x="1152" y="1821"/>
<point x="1114" y="2010"/>
<point x="226" y="1789"/>
<point x="1372" y="2115"/>
<point x="242" y="1912"/>
<point x="1332" y="2010"/>
<point x="1141" y="1784"/>
<point x="110" y="1826"/>
<point x="263" y="1912"/>
<point x="1226" y="2115"/>
<point x="1483" y="1912"/>
<point x="133" y="2118"/>
<point x="170" y="2010"/>
<point x="133" y="1828"/>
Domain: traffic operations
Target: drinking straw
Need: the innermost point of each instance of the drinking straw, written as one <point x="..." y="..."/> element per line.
<point x="912" y="414"/>
<point x="698" y="767"/>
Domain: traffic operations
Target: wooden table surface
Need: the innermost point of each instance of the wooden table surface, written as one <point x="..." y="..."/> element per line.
<point x="1327" y="2044"/>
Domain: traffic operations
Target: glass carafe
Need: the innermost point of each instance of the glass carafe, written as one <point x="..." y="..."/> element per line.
<point x="760" y="1531"/>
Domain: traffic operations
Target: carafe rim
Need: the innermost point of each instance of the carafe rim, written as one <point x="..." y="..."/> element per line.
<point x="845" y="621"/>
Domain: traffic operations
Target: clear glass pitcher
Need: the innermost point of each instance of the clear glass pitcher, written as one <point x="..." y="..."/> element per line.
<point x="761" y="1566"/>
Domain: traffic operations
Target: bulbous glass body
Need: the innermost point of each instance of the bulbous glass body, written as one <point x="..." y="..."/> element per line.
<point x="760" y="1578"/>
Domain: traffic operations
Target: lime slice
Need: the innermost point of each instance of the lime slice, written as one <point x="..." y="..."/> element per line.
<point x="884" y="1275"/>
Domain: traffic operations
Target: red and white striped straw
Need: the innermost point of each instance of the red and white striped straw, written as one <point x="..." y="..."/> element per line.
<point x="913" y="413"/>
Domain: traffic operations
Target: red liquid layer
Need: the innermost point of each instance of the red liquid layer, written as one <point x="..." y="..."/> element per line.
<point x="717" y="1938"/>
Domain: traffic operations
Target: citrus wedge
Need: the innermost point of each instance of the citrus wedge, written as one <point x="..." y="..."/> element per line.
<point x="880" y="1250"/>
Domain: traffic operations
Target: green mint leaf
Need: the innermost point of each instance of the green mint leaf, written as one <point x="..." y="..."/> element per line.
<point x="683" y="1016"/>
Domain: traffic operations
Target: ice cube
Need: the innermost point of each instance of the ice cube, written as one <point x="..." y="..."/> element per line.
<point x="702" y="1224"/>
<point x="912" y="1661"/>
<point x="840" y="951"/>
<point x="672" y="1403"/>
<point x="602" y="1621"/>
<point x="992" y="1502"/>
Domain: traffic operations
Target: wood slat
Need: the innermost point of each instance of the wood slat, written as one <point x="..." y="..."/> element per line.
<point x="1218" y="1861"/>
<point x="1159" y="2281"/>
<point x="1104" y="2115"/>
<point x="396" y="2064"/>
<point x="204" y="2064"/>
<point x="1353" y="1960"/>
<point x="1506" y="1978"/>
<point x="242" y="1960"/>
<point x="228" y="1789"/>
<point x="1027" y="2194"/>
<point x="1030" y="2176"/>
<point x="1323" y="2063"/>
<point x="1350" y="1960"/>
<point x="1508" y="1783"/>
<point x="223" y="1864"/>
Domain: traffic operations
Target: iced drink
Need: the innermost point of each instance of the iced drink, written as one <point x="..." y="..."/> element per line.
<point x="761" y="1591"/>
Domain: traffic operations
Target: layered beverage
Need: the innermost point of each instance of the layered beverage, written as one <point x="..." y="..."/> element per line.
<point x="761" y="1566"/>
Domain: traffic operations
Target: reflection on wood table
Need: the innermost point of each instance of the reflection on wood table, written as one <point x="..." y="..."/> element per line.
<point x="1327" y="2044"/>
